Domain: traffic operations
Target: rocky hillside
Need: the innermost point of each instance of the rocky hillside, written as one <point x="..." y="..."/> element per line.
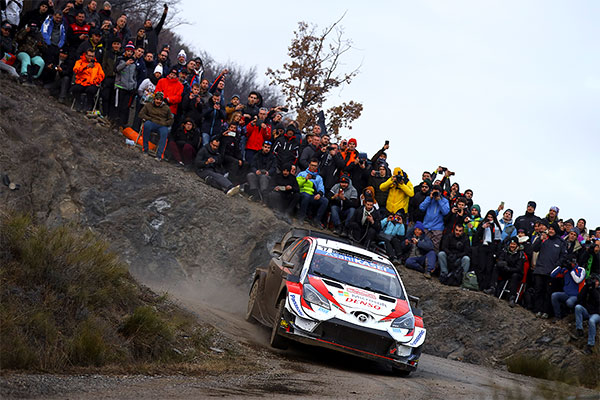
<point x="170" y="228"/>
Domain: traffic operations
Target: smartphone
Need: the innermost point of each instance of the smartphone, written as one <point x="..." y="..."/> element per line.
<point x="501" y="204"/>
<point x="387" y="142"/>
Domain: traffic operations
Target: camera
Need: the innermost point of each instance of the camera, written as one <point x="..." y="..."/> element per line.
<point x="436" y="194"/>
<point x="329" y="148"/>
<point x="259" y="122"/>
<point x="284" y="109"/>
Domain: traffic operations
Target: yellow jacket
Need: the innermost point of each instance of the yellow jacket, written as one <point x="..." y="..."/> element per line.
<point x="399" y="194"/>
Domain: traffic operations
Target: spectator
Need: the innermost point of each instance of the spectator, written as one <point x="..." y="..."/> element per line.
<point x="552" y="219"/>
<point x="488" y="238"/>
<point x="7" y="50"/>
<point x="286" y="192"/>
<point x="212" y="119"/>
<point x="148" y="87"/>
<point x="583" y="235"/>
<point x="152" y="33"/>
<point x="105" y="13"/>
<point x="149" y="63"/>
<point x="162" y="59"/>
<point x="209" y="167"/>
<point x="37" y="16"/>
<point x="312" y="193"/>
<point x="591" y="257"/>
<point x="58" y="75"/>
<point x="399" y="189"/>
<point x="435" y="207"/>
<point x="343" y="199"/>
<point x="310" y="151"/>
<point x="54" y="34"/>
<point x="181" y="60"/>
<point x="473" y="222"/>
<point x="368" y="193"/>
<point x="510" y="267"/>
<point x="94" y="42"/>
<point x="552" y="251"/>
<point x="455" y="252"/>
<point x="350" y="155"/>
<point x="527" y="221"/>
<point x="469" y="197"/>
<point x="184" y="142"/>
<point x="234" y="105"/>
<point x="378" y="175"/>
<point x="262" y="168"/>
<point x="232" y="154"/>
<point x="109" y="63"/>
<point x="88" y="78"/>
<point x="330" y="165"/>
<point x="121" y="31"/>
<point x="574" y="247"/>
<point x="381" y="157"/>
<point x="573" y="276"/>
<point x="252" y="107"/>
<point x="418" y="248"/>
<point x="588" y="308"/>
<point x="458" y="215"/>
<point x="31" y="46"/>
<point x="77" y="33"/>
<point x="422" y="191"/>
<point x="506" y="224"/>
<point x="365" y="223"/>
<point x="567" y="226"/>
<point x="140" y="40"/>
<point x="257" y="132"/>
<point x="172" y="89"/>
<point x="392" y="235"/>
<point x="91" y="15"/>
<point x="125" y="84"/>
<point x="286" y="147"/>
<point x="191" y="105"/>
<point x="11" y="12"/>
<point x="158" y="118"/>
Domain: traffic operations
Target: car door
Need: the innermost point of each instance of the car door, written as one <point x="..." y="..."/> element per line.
<point x="279" y="268"/>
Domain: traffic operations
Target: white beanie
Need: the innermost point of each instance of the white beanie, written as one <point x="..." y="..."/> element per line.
<point x="158" y="68"/>
<point x="181" y="54"/>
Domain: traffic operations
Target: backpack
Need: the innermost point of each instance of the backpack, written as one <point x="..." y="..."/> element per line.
<point x="469" y="281"/>
<point x="454" y="277"/>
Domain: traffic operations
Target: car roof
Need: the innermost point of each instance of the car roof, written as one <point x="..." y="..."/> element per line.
<point x="337" y="245"/>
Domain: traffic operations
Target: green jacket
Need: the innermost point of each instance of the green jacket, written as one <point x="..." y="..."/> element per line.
<point x="160" y="115"/>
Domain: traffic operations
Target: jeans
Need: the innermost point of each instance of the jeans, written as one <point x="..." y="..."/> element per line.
<point x="580" y="314"/>
<point x="422" y="262"/>
<point x="561" y="297"/>
<point x="215" y="179"/>
<point x="26" y="61"/>
<point x="150" y="127"/>
<point x="347" y="214"/>
<point x="464" y="262"/>
<point x="307" y="200"/>
<point x="258" y="182"/>
<point x="9" y="69"/>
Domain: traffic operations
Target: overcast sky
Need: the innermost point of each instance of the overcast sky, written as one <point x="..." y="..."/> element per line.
<point x="505" y="93"/>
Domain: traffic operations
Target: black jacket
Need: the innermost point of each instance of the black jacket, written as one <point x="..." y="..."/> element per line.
<point x="511" y="263"/>
<point x="286" y="150"/>
<point x="455" y="248"/>
<point x="329" y="169"/>
<point x="526" y="223"/>
<point x="181" y="137"/>
<point x="230" y="147"/>
<point x="552" y="254"/>
<point x="414" y="212"/>
<point x="264" y="162"/>
<point x="290" y="180"/>
<point x="202" y="157"/>
<point x="589" y="297"/>
<point x="358" y="215"/>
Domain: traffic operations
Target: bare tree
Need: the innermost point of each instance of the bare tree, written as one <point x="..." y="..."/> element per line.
<point x="313" y="72"/>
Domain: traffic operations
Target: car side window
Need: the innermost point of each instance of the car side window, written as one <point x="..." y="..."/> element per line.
<point x="299" y="256"/>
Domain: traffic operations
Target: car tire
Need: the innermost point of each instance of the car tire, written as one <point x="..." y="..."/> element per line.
<point x="277" y="341"/>
<point x="400" y="372"/>
<point x="252" y="302"/>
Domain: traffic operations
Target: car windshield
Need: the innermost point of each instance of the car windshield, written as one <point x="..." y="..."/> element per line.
<point x="352" y="269"/>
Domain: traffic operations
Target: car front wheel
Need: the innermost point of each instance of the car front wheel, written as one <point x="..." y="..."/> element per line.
<point x="277" y="341"/>
<point x="252" y="302"/>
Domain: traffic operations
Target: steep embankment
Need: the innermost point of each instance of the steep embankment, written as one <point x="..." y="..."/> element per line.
<point x="175" y="232"/>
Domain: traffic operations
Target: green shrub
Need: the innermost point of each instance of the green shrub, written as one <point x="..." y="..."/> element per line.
<point x="150" y="334"/>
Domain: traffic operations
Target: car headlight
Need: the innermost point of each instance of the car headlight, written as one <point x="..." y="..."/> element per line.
<point x="407" y="321"/>
<point x="311" y="295"/>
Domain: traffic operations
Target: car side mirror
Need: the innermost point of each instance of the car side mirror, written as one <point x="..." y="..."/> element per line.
<point x="288" y="264"/>
<point x="414" y="301"/>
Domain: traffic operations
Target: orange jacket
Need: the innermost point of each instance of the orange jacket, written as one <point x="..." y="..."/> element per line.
<point x="88" y="76"/>
<point x="172" y="89"/>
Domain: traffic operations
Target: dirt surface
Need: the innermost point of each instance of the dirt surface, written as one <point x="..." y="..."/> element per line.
<point x="180" y="236"/>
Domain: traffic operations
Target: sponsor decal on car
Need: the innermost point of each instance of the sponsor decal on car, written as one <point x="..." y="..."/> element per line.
<point x="358" y="262"/>
<point x="417" y="338"/>
<point x="365" y="303"/>
<point x="296" y="305"/>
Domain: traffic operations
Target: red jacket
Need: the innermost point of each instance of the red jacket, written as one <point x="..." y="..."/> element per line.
<point x="257" y="136"/>
<point x="172" y="89"/>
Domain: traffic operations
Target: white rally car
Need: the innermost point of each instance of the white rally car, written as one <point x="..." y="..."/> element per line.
<point x="320" y="291"/>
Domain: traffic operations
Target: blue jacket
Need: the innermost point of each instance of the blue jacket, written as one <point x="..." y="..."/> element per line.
<point x="48" y="27"/>
<point x="316" y="180"/>
<point x="392" y="228"/>
<point x="424" y="244"/>
<point x="434" y="213"/>
<point x="573" y="279"/>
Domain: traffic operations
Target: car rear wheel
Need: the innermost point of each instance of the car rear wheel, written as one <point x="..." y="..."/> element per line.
<point x="277" y="341"/>
<point x="252" y="302"/>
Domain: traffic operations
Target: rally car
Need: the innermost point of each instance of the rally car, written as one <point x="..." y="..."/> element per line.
<point x="324" y="292"/>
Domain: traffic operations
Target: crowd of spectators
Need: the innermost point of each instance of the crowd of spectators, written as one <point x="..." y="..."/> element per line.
<point x="547" y="264"/>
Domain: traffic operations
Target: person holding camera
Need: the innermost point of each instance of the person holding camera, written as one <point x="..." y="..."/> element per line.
<point x="588" y="308"/>
<point x="31" y="46"/>
<point x="435" y="207"/>
<point x="510" y="267"/>
<point x="487" y="242"/>
<point x="378" y="175"/>
<point x="422" y="191"/>
<point x="573" y="276"/>
<point x="262" y="168"/>
<point x="392" y="235"/>
<point x="418" y="250"/>
<point x="257" y="131"/>
<point x="88" y="78"/>
<point x="286" y="147"/>
<point x="458" y="215"/>
<point x="399" y="189"/>
<point x="343" y="198"/>
<point x="330" y="165"/>
<point x="365" y="223"/>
